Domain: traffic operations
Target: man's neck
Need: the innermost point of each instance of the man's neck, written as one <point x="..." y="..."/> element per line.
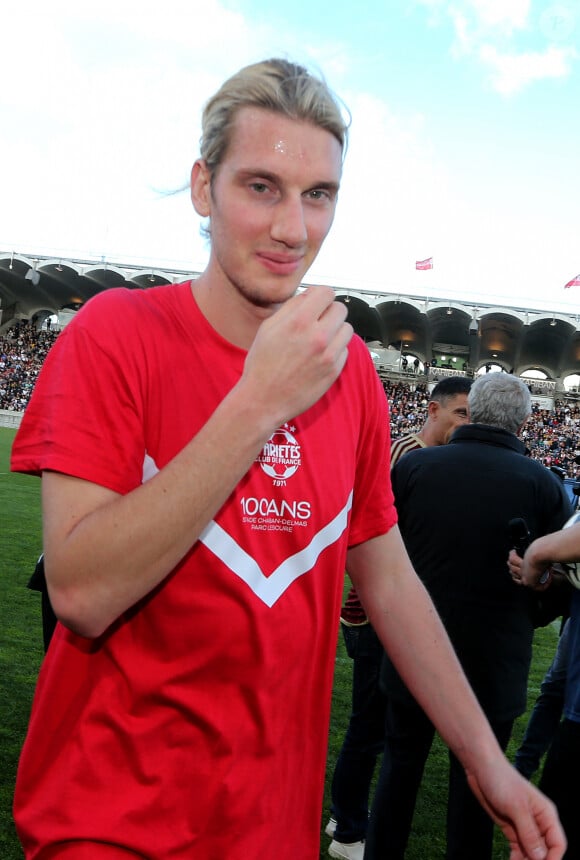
<point x="428" y="436"/>
<point x="229" y="313"/>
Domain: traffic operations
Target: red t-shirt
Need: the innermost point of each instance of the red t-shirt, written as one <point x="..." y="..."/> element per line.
<point x="196" y="726"/>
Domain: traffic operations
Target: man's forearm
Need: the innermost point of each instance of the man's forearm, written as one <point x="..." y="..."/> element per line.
<point x="104" y="552"/>
<point x="560" y="546"/>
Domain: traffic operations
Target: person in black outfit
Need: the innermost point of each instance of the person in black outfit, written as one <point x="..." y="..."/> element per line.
<point x="454" y="503"/>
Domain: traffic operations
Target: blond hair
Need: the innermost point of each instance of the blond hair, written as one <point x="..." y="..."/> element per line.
<point x="275" y="85"/>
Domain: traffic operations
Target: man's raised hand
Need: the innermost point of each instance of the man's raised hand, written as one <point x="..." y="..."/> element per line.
<point x="298" y="353"/>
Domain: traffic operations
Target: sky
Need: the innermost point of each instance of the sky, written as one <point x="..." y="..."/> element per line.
<point x="464" y="144"/>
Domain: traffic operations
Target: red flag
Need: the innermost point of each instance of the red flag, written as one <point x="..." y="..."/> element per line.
<point x="424" y="264"/>
<point x="575" y="282"/>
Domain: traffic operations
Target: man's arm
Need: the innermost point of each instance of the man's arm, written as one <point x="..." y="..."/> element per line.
<point x="404" y="618"/>
<point x="561" y="546"/>
<point x="104" y="551"/>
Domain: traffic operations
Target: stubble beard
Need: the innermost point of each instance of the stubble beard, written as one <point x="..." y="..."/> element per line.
<point x="257" y="297"/>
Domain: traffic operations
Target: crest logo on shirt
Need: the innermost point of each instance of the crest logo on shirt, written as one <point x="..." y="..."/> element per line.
<point x="280" y="457"/>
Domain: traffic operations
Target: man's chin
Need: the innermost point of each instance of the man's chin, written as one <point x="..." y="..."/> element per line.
<point x="266" y="298"/>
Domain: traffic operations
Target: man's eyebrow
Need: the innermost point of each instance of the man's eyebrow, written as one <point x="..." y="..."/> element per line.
<point x="327" y="186"/>
<point x="248" y="172"/>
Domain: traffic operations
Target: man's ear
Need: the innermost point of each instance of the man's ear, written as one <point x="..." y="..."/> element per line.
<point x="201" y="188"/>
<point x="432" y="408"/>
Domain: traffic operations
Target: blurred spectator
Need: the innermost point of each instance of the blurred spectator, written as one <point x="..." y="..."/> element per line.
<point x="23" y="349"/>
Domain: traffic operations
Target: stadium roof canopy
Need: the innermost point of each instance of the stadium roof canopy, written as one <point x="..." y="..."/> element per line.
<point x="517" y="339"/>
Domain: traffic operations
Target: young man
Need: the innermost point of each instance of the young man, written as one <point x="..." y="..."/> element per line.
<point x="446" y="411"/>
<point x="199" y="511"/>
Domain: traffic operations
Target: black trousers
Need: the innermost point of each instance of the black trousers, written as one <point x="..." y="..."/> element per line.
<point x="364" y="739"/>
<point x="409" y="735"/>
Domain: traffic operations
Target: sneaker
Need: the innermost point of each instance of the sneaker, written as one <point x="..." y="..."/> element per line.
<point x="347" y="850"/>
<point x="330" y="827"/>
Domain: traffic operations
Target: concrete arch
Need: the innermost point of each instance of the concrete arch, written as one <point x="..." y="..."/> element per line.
<point x="405" y="327"/>
<point x="365" y="320"/>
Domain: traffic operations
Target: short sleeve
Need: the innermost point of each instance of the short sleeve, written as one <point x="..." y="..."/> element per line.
<point x="85" y="415"/>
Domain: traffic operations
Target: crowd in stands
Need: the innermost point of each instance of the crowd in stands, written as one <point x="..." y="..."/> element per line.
<point x="22" y="351"/>
<point x="552" y="436"/>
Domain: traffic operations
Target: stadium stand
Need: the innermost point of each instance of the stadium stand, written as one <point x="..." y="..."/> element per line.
<point x="551" y="435"/>
<point x="414" y="342"/>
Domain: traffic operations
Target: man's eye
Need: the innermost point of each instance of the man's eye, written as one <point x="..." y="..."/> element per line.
<point x="319" y="194"/>
<point x="259" y="187"/>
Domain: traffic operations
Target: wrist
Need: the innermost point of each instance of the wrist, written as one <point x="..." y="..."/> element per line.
<point x="243" y="407"/>
<point x="537" y="558"/>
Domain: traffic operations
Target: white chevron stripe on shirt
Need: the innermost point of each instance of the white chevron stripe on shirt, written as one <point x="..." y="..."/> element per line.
<point x="270" y="588"/>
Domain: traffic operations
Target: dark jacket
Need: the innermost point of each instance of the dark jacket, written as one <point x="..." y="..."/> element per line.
<point x="454" y="503"/>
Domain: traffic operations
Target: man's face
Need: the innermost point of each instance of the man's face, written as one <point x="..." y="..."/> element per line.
<point x="271" y="204"/>
<point x="450" y="415"/>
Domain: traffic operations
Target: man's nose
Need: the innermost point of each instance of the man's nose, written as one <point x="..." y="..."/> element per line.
<point x="289" y="225"/>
